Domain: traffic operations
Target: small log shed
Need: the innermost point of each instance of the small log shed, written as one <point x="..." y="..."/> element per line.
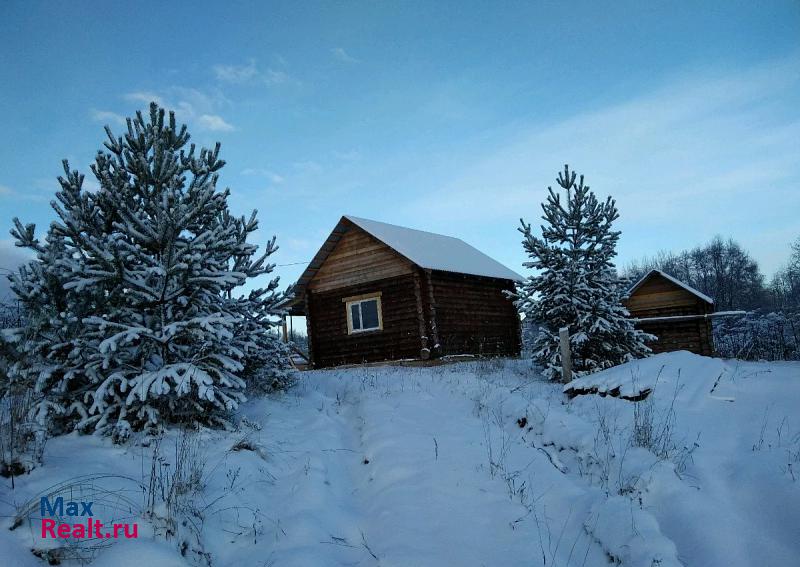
<point x="679" y="315"/>
<point x="381" y="292"/>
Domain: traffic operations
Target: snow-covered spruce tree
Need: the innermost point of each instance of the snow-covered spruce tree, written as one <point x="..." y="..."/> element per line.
<point x="133" y="319"/>
<point x="577" y="286"/>
<point x="266" y="364"/>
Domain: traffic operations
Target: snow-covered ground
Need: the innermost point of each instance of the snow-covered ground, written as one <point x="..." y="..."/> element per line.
<point x="478" y="463"/>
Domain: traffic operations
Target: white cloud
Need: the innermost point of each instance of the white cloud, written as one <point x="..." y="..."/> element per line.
<point x="236" y="73"/>
<point x="107" y="117"/>
<point x="195" y="107"/>
<point x="260" y="172"/>
<point x="704" y="155"/>
<point x="308" y="166"/>
<point x="250" y="74"/>
<point x="146" y="97"/>
<point x="276" y="77"/>
<point x="341" y="55"/>
<point x="8" y="192"/>
<point x="214" y="123"/>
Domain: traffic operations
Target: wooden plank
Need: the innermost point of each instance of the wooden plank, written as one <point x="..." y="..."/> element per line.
<point x="656" y="284"/>
<point x="359" y="276"/>
<point x="363" y="262"/>
<point x="661" y="299"/>
<point x="362" y="296"/>
<point x="358" y="258"/>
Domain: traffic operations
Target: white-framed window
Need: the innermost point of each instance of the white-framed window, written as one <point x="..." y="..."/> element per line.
<point x="363" y="313"/>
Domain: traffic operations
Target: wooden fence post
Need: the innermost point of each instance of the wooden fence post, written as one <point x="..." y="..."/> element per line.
<point x="566" y="355"/>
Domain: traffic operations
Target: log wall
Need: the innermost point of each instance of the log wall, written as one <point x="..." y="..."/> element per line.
<point x="399" y="338"/>
<point x="470" y="314"/>
<point x="694" y="336"/>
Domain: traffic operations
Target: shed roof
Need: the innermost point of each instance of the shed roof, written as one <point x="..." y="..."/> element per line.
<point x="435" y="251"/>
<point x="427" y="250"/>
<point x="676" y="281"/>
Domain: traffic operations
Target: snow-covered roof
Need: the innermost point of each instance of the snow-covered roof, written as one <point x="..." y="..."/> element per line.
<point x="435" y="251"/>
<point x="425" y="249"/>
<point x="676" y="281"/>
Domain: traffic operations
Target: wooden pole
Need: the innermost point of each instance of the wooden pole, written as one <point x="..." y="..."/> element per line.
<point x="309" y="329"/>
<point x="566" y="355"/>
<point x="285" y="337"/>
<point x="424" y="352"/>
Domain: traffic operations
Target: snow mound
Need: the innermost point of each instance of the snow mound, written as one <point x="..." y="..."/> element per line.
<point x="630" y="535"/>
<point x="636" y="380"/>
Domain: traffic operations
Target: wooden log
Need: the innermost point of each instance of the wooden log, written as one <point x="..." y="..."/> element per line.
<point x="424" y="351"/>
<point x="432" y="309"/>
<point x="696" y="317"/>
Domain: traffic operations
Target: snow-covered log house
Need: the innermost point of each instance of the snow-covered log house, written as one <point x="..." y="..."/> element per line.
<point x="381" y="292"/>
<point x="678" y="314"/>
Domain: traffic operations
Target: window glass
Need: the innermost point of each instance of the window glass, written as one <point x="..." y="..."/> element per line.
<point x="355" y="316"/>
<point x="369" y="314"/>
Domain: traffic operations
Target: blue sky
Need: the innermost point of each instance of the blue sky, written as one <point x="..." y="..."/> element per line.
<point x="453" y="117"/>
